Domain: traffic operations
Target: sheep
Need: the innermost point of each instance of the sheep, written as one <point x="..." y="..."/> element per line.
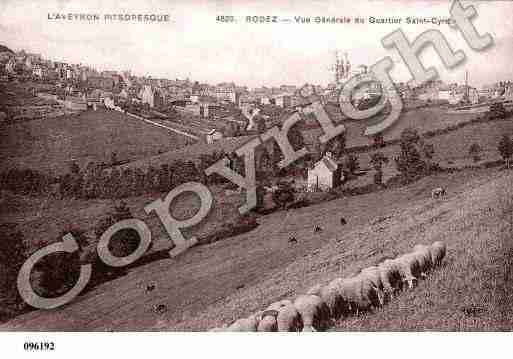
<point x="315" y="290"/>
<point x="313" y="312"/>
<point x="332" y="297"/>
<point x="409" y="268"/>
<point x="437" y="250"/>
<point x="359" y="293"/>
<point x="390" y="277"/>
<point x="289" y="319"/>
<point x="438" y="192"/>
<point x="423" y="253"/>
<point x="249" y="324"/>
<point x="343" y="221"/>
<point x="268" y="322"/>
<point x="374" y="275"/>
<point x="277" y="305"/>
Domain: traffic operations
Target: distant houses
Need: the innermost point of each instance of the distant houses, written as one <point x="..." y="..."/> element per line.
<point x="152" y="96"/>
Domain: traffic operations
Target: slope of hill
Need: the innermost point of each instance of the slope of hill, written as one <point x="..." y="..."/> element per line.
<point x="214" y="284"/>
<point x="49" y="144"/>
<point x="5" y="49"/>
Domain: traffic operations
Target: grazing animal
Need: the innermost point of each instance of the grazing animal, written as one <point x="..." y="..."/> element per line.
<point x="343" y="221"/>
<point x="313" y="311"/>
<point x="277" y="305"/>
<point x="423" y="255"/>
<point x="390" y="277"/>
<point x="332" y="296"/>
<point x="437" y="250"/>
<point x="268" y="322"/>
<point x="150" y="287"/>
<point x="409" y="268"/>
<point x="248" y="324"/>
<point x="289" y="319"/>
<point x="359" y="293"/>
<point x="438" y="192"/>
<point x="317" y="229"/>
<point x="374" y="275"/>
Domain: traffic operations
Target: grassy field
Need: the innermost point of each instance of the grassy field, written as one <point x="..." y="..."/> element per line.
<point x="217" y="283"/>
<point x="423" y="120"/>
<point x="50" y="144"/>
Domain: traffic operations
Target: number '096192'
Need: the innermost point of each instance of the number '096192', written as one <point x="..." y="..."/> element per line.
<point x="39" y="346"/>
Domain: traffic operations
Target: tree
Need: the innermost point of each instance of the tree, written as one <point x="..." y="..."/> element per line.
<point x="13" y="253"/>
<point x="410" y="162"/>
<point x="378" y="140"/>
<point x="377" y="161"/>
<point x="74" y="168"/>
<point x="58" y="272"/>
<point x="113" y="158"/>
<point x="284" y="194"/>
<point x="475" y="152"/>
<point x="427" y="151"/>
<point x="337" y="145"/>
<point x="125" y="241"/>
<point x="295" y="138"/>
<point x="350" y="165"/>
<point x="505" y="148"/>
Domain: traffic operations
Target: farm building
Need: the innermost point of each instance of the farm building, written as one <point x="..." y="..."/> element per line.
<point x="325" y="174"/>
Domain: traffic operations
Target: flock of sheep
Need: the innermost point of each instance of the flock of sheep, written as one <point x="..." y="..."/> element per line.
<point x="321" y="305"/>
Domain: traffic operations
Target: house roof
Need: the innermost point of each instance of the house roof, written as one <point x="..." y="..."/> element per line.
<point x="330" y="164"/>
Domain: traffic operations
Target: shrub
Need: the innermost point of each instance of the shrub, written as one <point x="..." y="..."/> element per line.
<point x="505" y="148"/>
<point x="58" y="272"/>
<point x="474" y="151"/>
<point x="12" y="256"/>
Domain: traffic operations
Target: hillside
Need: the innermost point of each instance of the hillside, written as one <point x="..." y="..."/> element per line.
<point x="49" y="144"/>
<point x="214" y="284"/>
<point x="4" y="48"/>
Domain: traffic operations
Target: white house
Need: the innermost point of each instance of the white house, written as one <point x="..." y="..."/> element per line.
<point x="325" y="174"/>
<point x="214" y="135"/>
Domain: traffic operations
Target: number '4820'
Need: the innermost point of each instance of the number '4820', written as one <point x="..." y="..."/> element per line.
<point x="225" y="18"/>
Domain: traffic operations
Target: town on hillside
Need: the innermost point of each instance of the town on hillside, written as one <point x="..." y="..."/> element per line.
<point x="399" y="215"/>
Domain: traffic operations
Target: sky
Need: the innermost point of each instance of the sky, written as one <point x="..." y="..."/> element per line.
<point x="192" y="44"/>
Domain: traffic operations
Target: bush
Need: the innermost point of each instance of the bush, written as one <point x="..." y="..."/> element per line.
<point x="415" y="156"/>
<point x="12" y="256"/>
<point x="475" y="151"/>
<point x="58" y="272"/>
<point x="123" y="242"/>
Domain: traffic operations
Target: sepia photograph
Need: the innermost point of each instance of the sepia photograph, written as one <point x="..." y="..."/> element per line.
<point x="254" y="166"/>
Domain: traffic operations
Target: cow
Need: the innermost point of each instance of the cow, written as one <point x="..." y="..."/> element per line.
<point x="438" y="193"/>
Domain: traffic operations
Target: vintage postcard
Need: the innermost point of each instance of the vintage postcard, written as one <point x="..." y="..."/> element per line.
<point x="255" y="166"/>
